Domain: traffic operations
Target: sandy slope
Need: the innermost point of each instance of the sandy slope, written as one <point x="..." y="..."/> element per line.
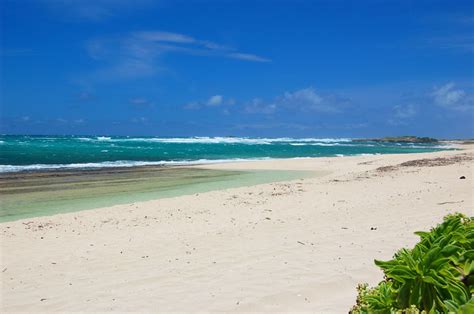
<point x="294" y="246"/>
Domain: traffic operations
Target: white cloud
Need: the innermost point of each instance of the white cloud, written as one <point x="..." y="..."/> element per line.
<point x="257" y="105"/>
<point x="191" y="45"/>
<point x="446" y="96"/>
<point x="449" y="97"/>
<point x="306" y="99"/>
<point x="404" y="112"/>
<point x="159" y="36"/>
<point x="215" y="100"/>
<point x="136" y="54"/>
<point x="176" y="38"/>
<point x="248" y="57"/>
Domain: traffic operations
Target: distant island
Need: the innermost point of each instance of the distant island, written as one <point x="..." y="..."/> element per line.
<point x="400" y="139"/>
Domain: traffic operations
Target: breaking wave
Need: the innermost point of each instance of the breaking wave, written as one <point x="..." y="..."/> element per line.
<point x="119" y="164"/>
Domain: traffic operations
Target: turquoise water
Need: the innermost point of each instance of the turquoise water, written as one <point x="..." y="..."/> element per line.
<point x="32" y="194"/>
<point x="19" y="153"/>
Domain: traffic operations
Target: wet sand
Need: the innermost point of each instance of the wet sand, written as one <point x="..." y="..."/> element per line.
<point x="40" y="193"/>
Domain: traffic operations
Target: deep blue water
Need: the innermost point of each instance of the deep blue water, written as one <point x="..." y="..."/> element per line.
<point x="19" y="153"/>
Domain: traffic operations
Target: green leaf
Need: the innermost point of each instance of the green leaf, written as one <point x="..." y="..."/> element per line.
<point x="436" y="276"/>
<point x="450" y="250"/>
<point x="399" y="273"/>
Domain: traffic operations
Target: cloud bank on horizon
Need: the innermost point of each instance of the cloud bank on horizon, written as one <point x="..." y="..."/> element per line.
<point x="237" y="68"/>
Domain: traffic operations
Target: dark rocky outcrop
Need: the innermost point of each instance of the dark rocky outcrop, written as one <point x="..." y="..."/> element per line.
<point x="400" y="139"/>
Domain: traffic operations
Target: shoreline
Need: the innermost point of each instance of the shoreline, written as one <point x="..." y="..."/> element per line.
<point x="29" y="195"/>
<point x="299" y="245"/>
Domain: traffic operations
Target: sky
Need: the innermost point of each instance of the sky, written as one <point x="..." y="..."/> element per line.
<point x="237" y="68"/>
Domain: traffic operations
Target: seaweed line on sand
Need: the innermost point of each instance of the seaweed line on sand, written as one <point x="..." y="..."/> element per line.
<point x="426" y="162"/>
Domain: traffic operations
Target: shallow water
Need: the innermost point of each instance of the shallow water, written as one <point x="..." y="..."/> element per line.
<point x="34" y="194"/>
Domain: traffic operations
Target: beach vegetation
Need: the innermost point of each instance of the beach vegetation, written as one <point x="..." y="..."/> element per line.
<point x="435" y="276"/>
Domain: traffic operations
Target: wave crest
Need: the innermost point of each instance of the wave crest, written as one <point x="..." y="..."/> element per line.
<point x="119" y="164"/>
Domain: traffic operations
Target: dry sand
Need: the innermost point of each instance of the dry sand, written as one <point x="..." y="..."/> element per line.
<point x="297" y="246"/>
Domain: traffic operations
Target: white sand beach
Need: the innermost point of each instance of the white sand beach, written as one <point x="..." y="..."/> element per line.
<point x="296" y="246"/>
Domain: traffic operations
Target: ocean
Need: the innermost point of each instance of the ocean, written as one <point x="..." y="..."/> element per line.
<point x="28" y="153"/>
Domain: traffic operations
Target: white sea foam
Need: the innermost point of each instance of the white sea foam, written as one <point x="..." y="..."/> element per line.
<point x="374" y="154"/>
<point x="318" y="144"/>
<point x="211" y="140"/>
<point x="119" y="164"/>
<point x="442" y="146"/>
<point x="218" y="140"/>
<point x="328" y="144"/>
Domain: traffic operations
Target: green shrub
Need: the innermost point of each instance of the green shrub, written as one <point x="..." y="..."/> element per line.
<point x="436" y="276"/>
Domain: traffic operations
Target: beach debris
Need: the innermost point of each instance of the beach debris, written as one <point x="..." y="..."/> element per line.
<point x="373" y="228"/>
<point x="4" y="270"/>
<point x="302" y="243"/>
<point x="434" y="162"/>
<point x="268" y="218"/>
<point x="387" y="168"/>
<point x="367" y="162"/>
<point x="43" y="299"/>
<point x="462" y="177"/>
<point x="451" y="202"/>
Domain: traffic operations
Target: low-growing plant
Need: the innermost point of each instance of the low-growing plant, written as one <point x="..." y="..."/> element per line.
<point x="436" y="276"/>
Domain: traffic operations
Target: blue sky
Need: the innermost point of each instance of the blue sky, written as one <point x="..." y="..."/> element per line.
<point x="243" y="68"/>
